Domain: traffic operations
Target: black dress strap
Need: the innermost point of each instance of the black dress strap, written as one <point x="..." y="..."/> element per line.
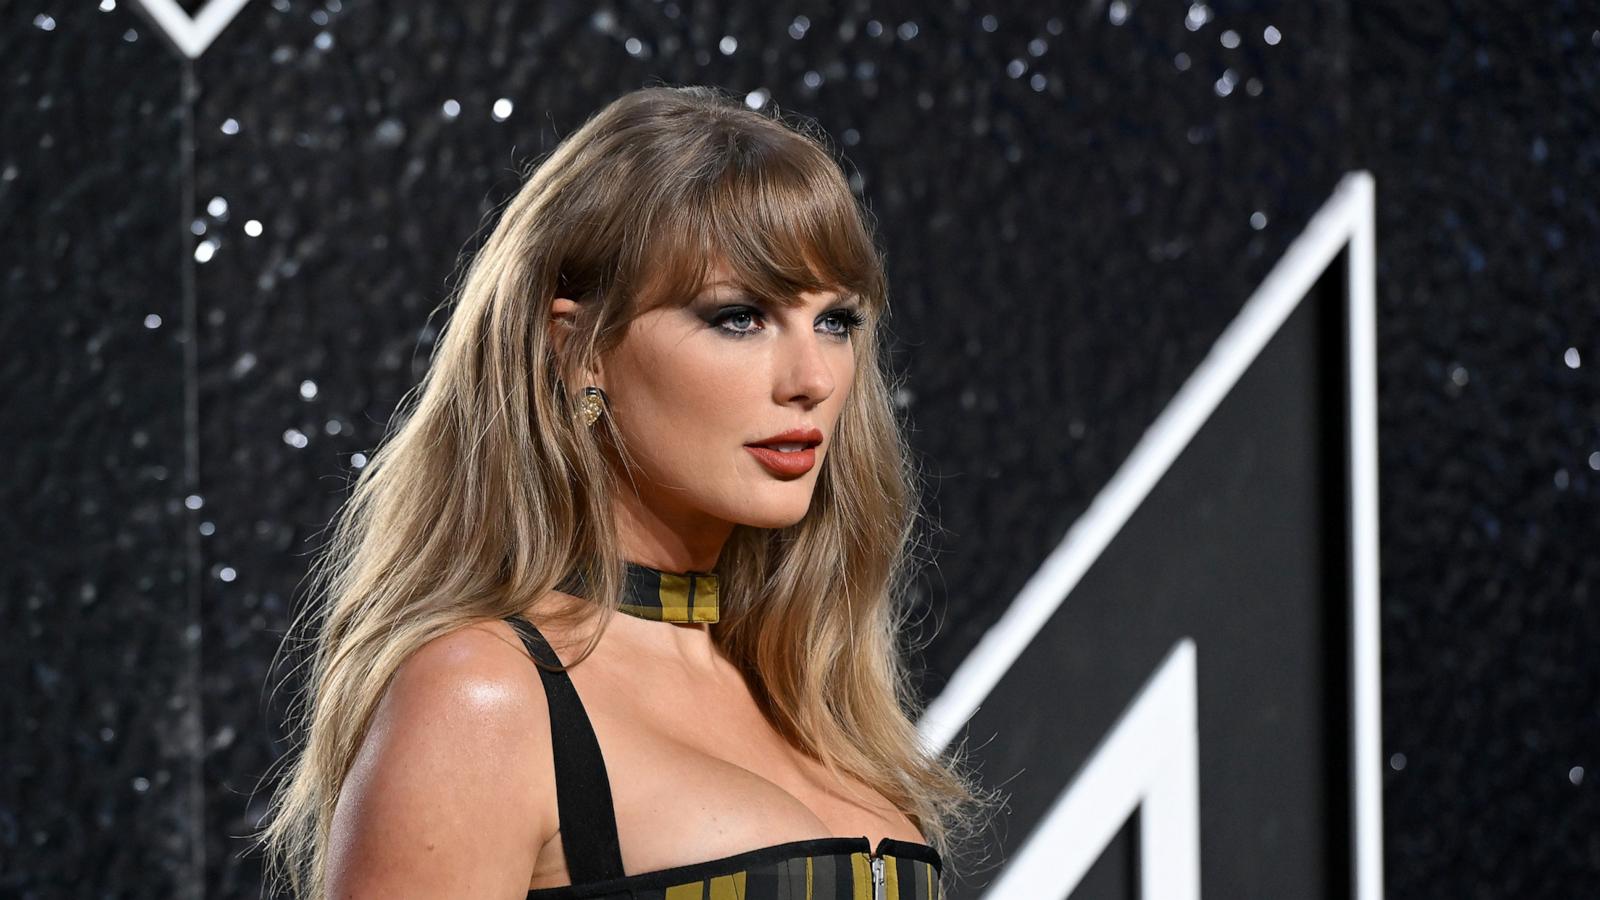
<point x="583" y="792"/>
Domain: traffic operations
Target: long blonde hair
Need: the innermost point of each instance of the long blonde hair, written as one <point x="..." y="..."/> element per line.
<point x="488" y="490"/>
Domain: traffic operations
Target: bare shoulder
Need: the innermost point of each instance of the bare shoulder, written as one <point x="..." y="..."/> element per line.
<point x="451" y="793"/>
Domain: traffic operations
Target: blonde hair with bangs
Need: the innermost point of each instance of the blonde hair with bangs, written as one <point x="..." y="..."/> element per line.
<point x="488" y="491"/>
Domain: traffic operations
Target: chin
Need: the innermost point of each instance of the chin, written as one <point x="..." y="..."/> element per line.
<point x="775" y="511"/>
<point x="772" y="518"/>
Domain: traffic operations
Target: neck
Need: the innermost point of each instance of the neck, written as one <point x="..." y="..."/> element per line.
<point x="663" y="537"/>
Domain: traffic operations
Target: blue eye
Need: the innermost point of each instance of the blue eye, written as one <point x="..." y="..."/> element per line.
<point x="731" y="314"/>
<point x="849" y="320"/>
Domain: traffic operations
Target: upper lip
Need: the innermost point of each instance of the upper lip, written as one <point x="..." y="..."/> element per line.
<point x="808" y="436"/>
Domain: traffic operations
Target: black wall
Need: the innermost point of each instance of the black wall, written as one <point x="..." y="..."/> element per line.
<point x="1066" y="238"/>
<point x="1482" y="127"/>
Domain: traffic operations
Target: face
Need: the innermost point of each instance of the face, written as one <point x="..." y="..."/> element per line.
<point x="692" y="388"/>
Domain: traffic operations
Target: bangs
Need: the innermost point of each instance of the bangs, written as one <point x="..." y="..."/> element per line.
<point x="778" y="214"/>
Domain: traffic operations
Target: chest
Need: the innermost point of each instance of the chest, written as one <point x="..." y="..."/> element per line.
<point x="698" y="772"/>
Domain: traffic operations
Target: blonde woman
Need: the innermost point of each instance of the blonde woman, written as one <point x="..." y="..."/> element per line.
<point x="611" y="612"/>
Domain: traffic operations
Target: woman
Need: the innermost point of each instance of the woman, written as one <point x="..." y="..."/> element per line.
<point x="659" y="395"/>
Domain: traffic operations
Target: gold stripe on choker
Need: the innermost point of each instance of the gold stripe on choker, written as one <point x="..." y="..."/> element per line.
<point x="650" y="593"/>
<point x="668" y="596"/>
<point x="656" y="595"/>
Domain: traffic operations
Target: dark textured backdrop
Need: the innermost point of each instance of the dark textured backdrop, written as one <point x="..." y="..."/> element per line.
<point x="1075" y="199"/>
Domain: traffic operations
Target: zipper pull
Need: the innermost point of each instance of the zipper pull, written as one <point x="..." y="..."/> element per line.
<point x="877" y="878"/>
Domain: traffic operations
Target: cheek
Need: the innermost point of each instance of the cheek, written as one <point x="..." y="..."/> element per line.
<point x="683" y="398"/>
<point x="846" y="377"/>
<point x="687" y="404"/>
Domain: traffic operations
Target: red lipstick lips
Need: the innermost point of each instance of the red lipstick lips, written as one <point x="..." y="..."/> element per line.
<point x="790" y="453"/>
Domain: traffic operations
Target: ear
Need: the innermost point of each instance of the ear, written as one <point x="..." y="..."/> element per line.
<point x="562" y="312"/>
<point x="563" y="322"/>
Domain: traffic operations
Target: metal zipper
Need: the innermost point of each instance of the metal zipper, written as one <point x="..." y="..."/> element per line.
<point x="877" y="878"/>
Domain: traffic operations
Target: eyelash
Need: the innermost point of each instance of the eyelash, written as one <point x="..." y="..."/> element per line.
<point x="853" y="321"/>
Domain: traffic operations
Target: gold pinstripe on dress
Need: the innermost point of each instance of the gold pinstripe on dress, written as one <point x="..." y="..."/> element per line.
<point x="737" y="885"/>
<point x="861" y="876"/>
<point x="728" y="887"/>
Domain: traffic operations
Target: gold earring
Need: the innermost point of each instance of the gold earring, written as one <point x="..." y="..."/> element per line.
<point x="592" y="404"/>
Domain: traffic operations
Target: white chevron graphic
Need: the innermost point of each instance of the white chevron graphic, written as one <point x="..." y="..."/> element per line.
<point x="1150" y="761"/>
<point x="1346" y="220"/>
<point x="192" y="36"/>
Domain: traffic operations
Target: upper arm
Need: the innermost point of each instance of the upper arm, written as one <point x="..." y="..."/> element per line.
<point x="451" y="792"/>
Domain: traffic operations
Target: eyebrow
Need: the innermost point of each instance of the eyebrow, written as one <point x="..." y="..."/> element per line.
<point x="851" y="298"/>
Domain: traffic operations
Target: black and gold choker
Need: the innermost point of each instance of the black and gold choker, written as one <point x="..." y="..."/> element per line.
<point x="669" y="596"/>
<point x="650" y="593"/>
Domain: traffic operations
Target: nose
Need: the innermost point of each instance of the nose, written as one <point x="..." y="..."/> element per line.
<point x="804" y="372"/>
